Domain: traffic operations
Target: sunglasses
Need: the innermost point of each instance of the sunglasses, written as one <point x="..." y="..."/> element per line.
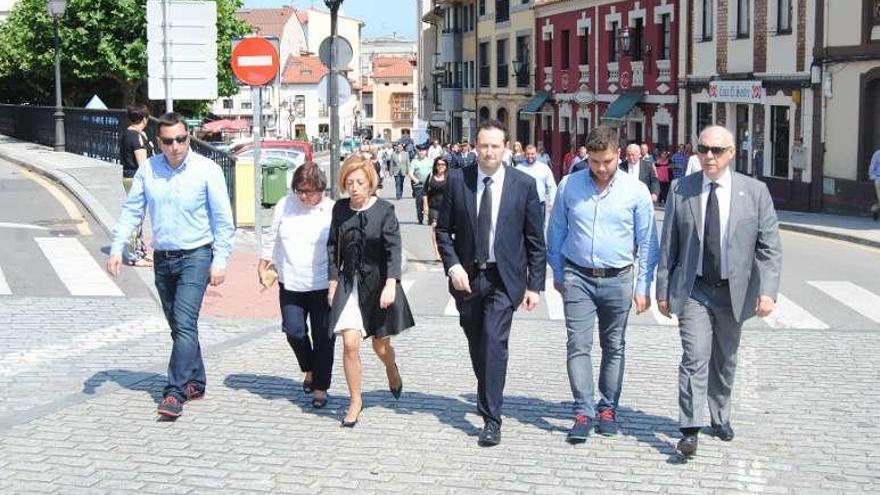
<point x="179" y="139"/>
<point x="716" y="150"/>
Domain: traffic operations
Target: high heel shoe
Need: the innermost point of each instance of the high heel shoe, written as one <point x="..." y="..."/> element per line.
<point x="350" y="424"/>
<point x="399" y="390"/>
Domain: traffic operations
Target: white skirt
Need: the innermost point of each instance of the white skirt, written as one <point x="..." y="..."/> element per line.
<point x="350" y="318"/>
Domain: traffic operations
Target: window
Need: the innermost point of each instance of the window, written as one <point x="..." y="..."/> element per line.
<point x="227" y="103"/>
<point x="565" y="49"/>
<point x="501" y="63"/>
<point x="742" y="18"/>
<point x="783" y="16"/>
<point x="522" y="54"/>
<point x="368" y="110"/>
<point x="246" y="105"/>
<point x="323" y="111"/>
<point x="704" y="116"/>
<point x="484" y="65"/>
<point x="637" y="41"/>
<point x="299" y="102"/>
<point x="401" y="107"/>
<point x="665" y="37"/>
<point x="482" y="9"/>
<point x="779" y="135"/>
<point x="502" y="10"/>
<point x="585" y="49"/>
<point x="548" y="52"/>
<point x="708" y="18"/>
<point x="563" y="124"/>
<point x="612" y="43"/>
<point x="584" y="126"/>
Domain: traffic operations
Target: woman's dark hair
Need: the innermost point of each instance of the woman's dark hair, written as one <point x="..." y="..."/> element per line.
<point x="136" y="113"/>
<point x="438" y="160"/>
<point x="308" y="177"/>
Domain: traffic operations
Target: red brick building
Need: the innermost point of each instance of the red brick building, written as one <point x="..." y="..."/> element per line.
<point x="600" y="61"/>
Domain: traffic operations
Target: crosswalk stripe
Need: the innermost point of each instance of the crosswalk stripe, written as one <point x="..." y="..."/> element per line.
<point x="76" y="268"/>
<point x="787" y="314"/>
<point x="450" y="309"/>
<point x="4" y="287"/>
<point x="407" y="286"/>
<point x="555" y="305"/>
<point x="655" y="311"/>
<point x="861" y="300"/>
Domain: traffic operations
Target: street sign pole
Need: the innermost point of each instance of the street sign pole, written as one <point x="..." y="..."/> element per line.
<point x="257" y="98"/>
<point x="169" y="101"/>
<point x="333" y="103"/>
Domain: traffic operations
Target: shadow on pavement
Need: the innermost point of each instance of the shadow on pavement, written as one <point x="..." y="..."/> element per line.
<point x="139" y="381"/>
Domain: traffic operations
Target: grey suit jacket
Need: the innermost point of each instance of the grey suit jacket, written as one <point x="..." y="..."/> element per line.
<point x="400" y="163"/>
<point x="754" y="253"/>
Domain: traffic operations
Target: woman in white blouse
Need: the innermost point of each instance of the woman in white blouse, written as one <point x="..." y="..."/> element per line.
<point x="297" y="246"/>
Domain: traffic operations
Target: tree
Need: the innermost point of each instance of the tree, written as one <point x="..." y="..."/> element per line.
<point x="103" y="51"/>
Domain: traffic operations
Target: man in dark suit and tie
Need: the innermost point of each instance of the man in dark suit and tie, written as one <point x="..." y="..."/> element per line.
<point x="720" y="264"/>
<point x="490" y="234"/>
<point x="642" y="169"/>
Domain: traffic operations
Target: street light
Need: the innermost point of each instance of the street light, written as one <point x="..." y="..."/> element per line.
<point x="625" y="40"/>
<point x="56" y="10"/>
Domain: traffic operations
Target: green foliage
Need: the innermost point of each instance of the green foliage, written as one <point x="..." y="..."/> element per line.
<point x="104" y="52"/>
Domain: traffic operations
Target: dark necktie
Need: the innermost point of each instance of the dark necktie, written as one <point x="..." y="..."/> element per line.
<point x="484" y="222"/>
<point x="712" y="238"/>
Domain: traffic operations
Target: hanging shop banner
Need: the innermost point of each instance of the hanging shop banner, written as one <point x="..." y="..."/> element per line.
<point x="737" y="92"/>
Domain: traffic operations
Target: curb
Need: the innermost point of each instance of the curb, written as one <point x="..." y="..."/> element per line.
<point x="829" y="234"/>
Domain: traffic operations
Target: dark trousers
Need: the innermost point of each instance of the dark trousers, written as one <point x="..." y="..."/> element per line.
<point x="398" y="186"/>
<point x="419" y="195"/>
<point x="181" y="280"/>
<point x="316" y="353"/>
<point x="664" y="191"/>
<point x="485" y="315"/>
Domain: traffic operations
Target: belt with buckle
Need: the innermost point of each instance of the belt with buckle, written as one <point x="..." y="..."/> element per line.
<point x="600" y="272"/>
<point x="721" y="283"/>
<point x="480" y="266"/>
<point x="176" y="253"/>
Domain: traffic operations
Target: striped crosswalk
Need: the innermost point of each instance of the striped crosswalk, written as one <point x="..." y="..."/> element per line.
<point x="859" y="299"/>
<point x="4" y="285"/>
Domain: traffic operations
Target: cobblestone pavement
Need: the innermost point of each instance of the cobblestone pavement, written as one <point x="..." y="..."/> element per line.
<point x="91" y="426"/>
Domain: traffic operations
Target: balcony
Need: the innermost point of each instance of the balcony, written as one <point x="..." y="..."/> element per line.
<point x="638" y="69"/>
<point x="664" y="71"/>
<point x="585" y="74"/>
<point x="450" y="48"/>
<point x="613" y="73"/>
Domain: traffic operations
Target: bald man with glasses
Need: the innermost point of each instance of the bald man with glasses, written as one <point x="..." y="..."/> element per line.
<point x="720" y="263"/>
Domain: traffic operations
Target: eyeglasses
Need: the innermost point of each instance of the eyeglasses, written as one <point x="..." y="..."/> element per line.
<point x="179" y="139"/>
<point x="716" y="150"/>
<point x="307" y="193"/>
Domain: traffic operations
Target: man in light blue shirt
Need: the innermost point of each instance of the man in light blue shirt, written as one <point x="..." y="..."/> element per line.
<point x="600" y="215"/>
<point x="544" y="181"/>
<point x="420" y="167"/>
<point x="874" y="175"/>
<point x="191" y="219"/>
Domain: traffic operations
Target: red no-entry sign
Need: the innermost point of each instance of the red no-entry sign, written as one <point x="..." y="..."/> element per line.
<point x="255" y="61"/>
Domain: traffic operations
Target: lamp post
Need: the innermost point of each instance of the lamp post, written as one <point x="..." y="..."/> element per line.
<point x="332" y="100"/>
<point x="56" y="10"/>
<point x="625" y="39"/>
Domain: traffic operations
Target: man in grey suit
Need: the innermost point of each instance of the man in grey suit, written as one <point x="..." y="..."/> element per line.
<point x="720" y="263"/>
<point x="400" y="169"/>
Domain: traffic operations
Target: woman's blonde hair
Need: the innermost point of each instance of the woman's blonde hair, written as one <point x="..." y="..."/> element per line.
<point x="352" y="164"/>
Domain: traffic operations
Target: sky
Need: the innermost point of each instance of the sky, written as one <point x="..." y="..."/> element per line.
<point x="382" y="17"/>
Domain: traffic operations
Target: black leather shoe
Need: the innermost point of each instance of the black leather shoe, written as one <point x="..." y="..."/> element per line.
<point x="687" y="446"/>
<point x="723" y="432"/>
<point x="490" y="436"/>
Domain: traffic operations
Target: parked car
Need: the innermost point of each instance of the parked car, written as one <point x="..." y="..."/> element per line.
<point x="302" y="146"/>
<point x="348" y="146"/>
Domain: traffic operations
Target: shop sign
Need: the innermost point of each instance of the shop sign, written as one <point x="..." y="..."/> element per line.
<point x="737" y="92"/>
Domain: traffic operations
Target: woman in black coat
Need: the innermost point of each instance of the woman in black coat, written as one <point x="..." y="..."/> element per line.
<point x="366" y="299"/>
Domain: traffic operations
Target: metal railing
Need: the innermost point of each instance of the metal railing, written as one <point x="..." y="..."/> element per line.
<point x="96" y="134"/>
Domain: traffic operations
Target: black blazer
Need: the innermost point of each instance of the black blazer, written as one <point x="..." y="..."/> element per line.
<point x="519" y="231"/>
<point x="646" y="174"/>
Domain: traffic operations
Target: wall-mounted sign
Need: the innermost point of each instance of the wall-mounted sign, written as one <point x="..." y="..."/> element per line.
<point x="737" y="92"/>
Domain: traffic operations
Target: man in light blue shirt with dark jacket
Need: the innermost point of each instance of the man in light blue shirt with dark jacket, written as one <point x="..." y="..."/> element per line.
<point x="602" y="223"/>
<point x="191" y="219"/>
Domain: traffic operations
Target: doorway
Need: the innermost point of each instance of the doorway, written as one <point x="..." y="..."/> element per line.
<point x="743" y="140"/>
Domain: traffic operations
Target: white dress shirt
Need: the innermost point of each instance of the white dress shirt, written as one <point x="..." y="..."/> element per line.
<point x="723" y="193"/>
<point x="693" y="165"/>
<point x="633" y="168"/>
<point x="297" y="243"/>
<point x="496" y="187"/>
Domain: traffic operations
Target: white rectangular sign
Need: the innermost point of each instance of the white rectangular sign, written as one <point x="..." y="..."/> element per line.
<point x="737" y="92"/>
<point x="192" y="36"/>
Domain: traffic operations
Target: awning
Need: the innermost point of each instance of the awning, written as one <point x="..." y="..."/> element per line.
<point x="226" y="125"/>
<point x="622" y="105"/>
<point x="534" y="105"/>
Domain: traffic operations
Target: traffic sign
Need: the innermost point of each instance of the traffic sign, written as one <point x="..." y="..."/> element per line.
<point x="335" y="52"/>
<point x="343" y="89"/>
<point x="255" y="61"/>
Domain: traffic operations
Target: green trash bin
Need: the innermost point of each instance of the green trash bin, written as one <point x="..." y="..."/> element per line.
<point x="274" y="180"/>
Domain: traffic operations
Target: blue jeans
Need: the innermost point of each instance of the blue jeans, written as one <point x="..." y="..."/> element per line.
<point x="398" y="186"/>
<point x="181" y="280"/>
<point x="585" y="299"/>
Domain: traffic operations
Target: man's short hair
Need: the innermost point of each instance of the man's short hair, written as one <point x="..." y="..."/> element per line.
<point x="171" y="119"/>
<point x="490" y="124"/>
<point x="602" y="138"/>
<point x="531" y="147"/>
<point x="136" y="113"/>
